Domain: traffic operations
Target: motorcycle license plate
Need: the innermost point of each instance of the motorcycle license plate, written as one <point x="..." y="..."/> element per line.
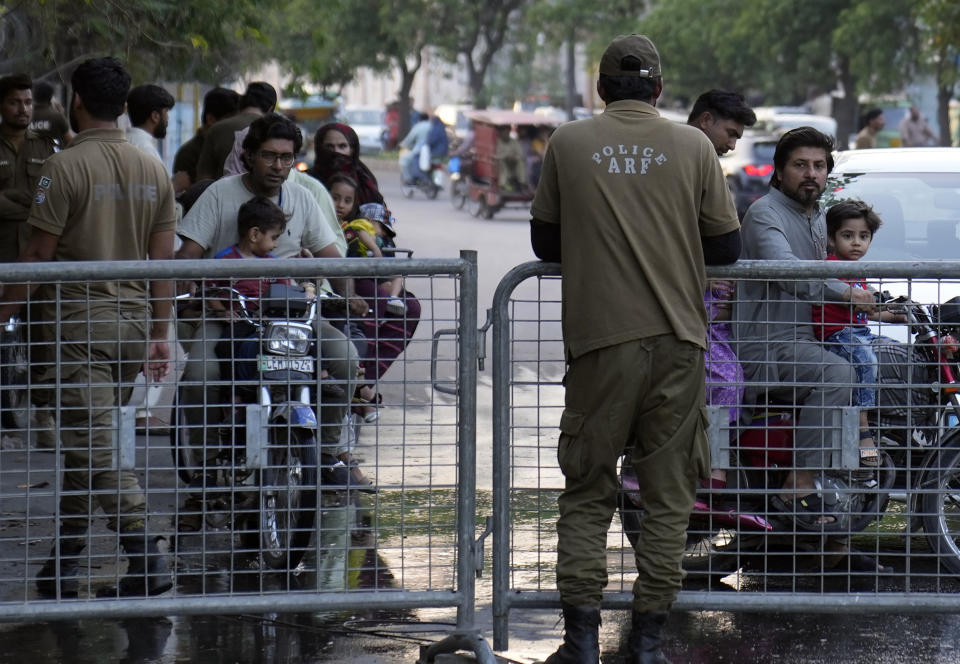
<point x="281" y="363"/>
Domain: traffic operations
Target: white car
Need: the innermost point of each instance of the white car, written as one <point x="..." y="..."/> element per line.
<point x="368" y="122"/>
<point x="776" y="122"/>
<point x="916" y="193"/>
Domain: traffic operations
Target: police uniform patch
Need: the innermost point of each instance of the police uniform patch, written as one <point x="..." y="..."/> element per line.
<point x="40" y="197"/>
<point x="44" y="182"/>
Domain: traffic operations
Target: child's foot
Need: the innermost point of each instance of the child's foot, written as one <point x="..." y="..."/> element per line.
<point x="869" y="456"/>
<point x="396" y="306"/>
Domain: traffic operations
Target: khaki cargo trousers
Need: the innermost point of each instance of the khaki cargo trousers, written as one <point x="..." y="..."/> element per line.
<point x="647" y="393"/>
<point x="99" y="352"/>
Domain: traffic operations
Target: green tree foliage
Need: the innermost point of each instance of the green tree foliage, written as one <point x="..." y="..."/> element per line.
<point x="475" y="33"/>
<point x="211" y="41"/>
<point x="939" y="23"/>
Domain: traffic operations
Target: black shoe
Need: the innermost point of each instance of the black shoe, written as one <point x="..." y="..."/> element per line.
<point x="581" y="637"/>
<point x="147" y="572"/>
<point x="645" y="636"/>
<point x="71" y="544"/>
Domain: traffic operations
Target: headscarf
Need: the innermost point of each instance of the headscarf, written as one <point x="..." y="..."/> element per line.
<point x="329" y="163"/>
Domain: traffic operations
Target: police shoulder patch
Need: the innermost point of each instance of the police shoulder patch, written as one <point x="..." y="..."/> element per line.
<point x="40" y="197"/>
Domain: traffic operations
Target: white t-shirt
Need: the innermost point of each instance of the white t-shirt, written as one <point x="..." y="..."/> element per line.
<point x="144" y="142"/>
<point x="234" y="165"/>
<point x="212" y="221"/>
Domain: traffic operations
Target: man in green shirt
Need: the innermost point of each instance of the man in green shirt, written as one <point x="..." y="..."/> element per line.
<point x="259" y="98"/>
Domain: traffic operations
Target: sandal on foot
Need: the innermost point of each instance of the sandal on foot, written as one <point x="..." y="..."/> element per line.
<point x="806" y="512"/>
<point x="368" y="409"/>
<point x="869" y="456"/>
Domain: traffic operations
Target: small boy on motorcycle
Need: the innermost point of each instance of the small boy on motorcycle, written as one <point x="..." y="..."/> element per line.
<point x="851" y="226"/>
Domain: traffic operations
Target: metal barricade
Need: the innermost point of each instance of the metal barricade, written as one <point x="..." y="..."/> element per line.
<point x="743" y="553"/>
<point x="279" y="490"/>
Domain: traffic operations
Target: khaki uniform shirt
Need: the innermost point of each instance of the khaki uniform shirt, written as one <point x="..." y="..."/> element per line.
<point x="48" y="121"/>
<point x="633" y="193"/>
<point x="104" y="198"/>
<point x="219" y="142"/>
<point x="19" y="171"/>
<point x="865" y="140"/>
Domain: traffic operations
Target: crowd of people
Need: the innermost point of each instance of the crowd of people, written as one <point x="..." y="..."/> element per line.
<point x="233" y="194"/>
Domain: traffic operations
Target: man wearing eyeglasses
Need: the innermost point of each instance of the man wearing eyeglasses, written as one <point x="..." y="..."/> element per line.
<point x="210" y="226"/>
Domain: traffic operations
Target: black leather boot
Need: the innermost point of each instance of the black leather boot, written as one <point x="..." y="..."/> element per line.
<point x="147" y="572"/>
<point x="71" y="542"/>
<point x="645" y="635"/>
<point x="581" y="637"/>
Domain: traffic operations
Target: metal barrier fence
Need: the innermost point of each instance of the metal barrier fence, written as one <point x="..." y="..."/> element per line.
<point x="744" y="551"/>
<point x="275" y="488"/>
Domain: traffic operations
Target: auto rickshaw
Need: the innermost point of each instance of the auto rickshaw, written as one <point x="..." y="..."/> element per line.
<point x="502" y="171"/>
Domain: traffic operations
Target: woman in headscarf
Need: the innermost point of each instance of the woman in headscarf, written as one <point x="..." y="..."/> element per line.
<point x="338" y="151"/>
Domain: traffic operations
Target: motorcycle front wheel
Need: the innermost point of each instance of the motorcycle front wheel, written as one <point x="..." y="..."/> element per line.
<point x="940" y="506"/>
<point x="14" y="370"/>
<point x="287" y="505"/>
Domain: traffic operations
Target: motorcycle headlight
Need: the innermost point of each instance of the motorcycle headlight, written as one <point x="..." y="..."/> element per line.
<point x="288" y="339"/>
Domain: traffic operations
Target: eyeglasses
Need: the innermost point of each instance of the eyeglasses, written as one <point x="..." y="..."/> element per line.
<point x="270" y="158"/>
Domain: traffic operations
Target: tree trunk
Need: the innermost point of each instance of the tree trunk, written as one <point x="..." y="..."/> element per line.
<point x="478" y="92"/>
<point x="403" y="97"/>
<point x="571" y="72"/>
<point x="944" y="94"/>
<point x="846" y="109"/>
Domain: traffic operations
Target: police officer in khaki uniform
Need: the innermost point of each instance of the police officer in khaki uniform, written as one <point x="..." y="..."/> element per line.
<point x="22" y="153"/>
<point x="101" y="199"/>
<point x="632" y="205"/>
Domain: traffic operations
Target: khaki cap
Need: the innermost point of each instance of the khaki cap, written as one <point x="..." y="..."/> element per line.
<point x="639" y="47"/>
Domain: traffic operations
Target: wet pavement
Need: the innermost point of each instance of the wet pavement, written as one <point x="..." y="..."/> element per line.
<point x="695" y="638"/>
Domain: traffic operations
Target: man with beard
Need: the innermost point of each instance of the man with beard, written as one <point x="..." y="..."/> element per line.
<point x="147" y="106"/>
<point x="22" y="153"/>
<point x="776" y="343"/>
<point x="721" y="115"/>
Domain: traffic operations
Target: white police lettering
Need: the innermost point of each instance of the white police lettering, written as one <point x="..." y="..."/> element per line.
<point x="114" y="192"/>
<point x="628" y="159"/>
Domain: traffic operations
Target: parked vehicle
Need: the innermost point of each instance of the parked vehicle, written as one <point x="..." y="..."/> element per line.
<point x="748" y="168"/>
<point x="369" y="123"/>
<point x="485" y="197"/>
<point x="265" y="477"/>
<point x="776" y="121"/>
<point x="916" y="192"/>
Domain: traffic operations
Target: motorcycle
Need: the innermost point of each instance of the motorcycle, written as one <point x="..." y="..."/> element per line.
<point x="459" y="168"/>
<point x="430" y="186"/>
<point x="263" y="483"/>
<point x="919" y="465"/>
<point x="14" y="374"/>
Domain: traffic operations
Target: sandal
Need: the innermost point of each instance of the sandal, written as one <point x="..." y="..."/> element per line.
<point x="869" y="456"/>
<point x="367" y="409"/>
<point x="807" y="512"/>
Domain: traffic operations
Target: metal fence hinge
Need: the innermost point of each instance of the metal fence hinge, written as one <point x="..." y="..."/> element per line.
<point x="482" y="340"/>
<point x="478" y="547"/>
